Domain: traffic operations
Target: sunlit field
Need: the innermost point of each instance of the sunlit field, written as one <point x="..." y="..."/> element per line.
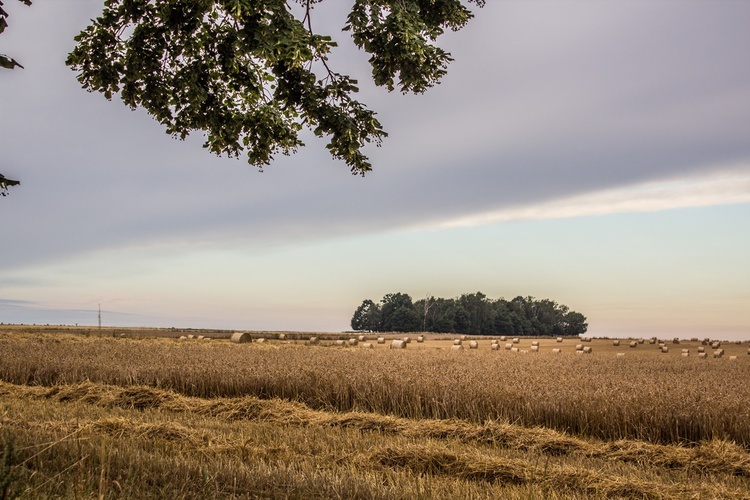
<point x="155" y="414"/>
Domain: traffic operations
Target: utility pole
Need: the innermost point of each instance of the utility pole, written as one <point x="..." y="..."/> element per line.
<point x="100" y="319"/>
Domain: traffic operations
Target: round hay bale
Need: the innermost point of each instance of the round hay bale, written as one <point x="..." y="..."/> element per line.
<point x="664" y="348"/>
<point x="718" y="354"/>
<point x="340" y="343"/>
<point x="407" y="340"/>
<point x="620" y="354"/>
<point x="579" y="352"/>
<point x="361" y="338"/>
<point x="652" y="341"/>
<point x="732" y="358"/>
<point x="240" y="337"/>
<point x="381" y="340"/>
<point x="535" y="348"/>
<point x="685" y="354"/>
<point x="615" y="343"/>
<point x="559" y="339"/>
<point x="314" y="340"/>
<point x="495" y="341"/>
<point x="748" y="352"/>
<point x="634" y="344"/>
<point x="495" y="347"/>
<point x="508" y="347"/>
<point x="701" y="348"/>
<point x="366" y="345"/>
<point x="535" y="343"/>
<point x="420" y="339"/>
<point x="201" y="337"/>
<point x="641" y="341"/>
<point x="457" y="342"/>
<point x="676" y="340"/>
<point x="588" y="350"/>
<point x="514" y="349"/>
<point x="353" y="342"/>
<point x="398" y="344"/>
<point x="715" y="345"/>
<point x="702" y="355"/>
<point x="685" y="351"/>
<point x="282" y="336"/>
<point x="503" y="338"/>
<point x="182" y="337"/>
<point x="191" y="336"/>
<point x="473" y="344"/>
<point x="579" y="347"/>
<point x="260" y="341"/>
<point x="456" y="347"/>
<point x="516" y="340"/>
<point x="463" y="337"/>
<point x="556" y="350"/>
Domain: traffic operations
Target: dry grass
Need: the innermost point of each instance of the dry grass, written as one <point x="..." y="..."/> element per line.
<point x="155" y="418"/>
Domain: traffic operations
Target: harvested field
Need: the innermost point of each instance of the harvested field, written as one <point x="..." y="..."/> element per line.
<point x="91" y="416"/>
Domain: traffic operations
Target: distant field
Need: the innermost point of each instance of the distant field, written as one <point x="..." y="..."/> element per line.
<point x="139" y="416"/>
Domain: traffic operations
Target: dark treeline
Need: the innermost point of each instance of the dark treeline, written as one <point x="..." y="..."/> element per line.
<point x="471" y="313"/>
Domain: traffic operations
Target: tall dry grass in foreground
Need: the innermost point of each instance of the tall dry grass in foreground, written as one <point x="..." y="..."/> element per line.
<point x="668" y="401"/>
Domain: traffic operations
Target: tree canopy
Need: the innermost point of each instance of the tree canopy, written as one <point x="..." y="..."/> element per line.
<point x="471" y="313"/>
<point x="251" y="74"/>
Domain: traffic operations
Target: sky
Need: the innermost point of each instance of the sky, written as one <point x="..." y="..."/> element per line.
<point x="593" y="153"/>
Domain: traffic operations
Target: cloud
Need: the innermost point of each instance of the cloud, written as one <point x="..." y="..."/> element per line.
<point x="704" y="190"/>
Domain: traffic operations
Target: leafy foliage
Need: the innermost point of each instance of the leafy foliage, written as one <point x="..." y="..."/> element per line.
<point x="4" y="183"/>
<point x="472" y="313"/>
<point x="246" y="72"/>
<point x="8" y="62"/>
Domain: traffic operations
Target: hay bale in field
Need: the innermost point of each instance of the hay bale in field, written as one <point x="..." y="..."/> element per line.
<point x="463" y="337"/>
<point x="587" y="339"/>
<point x="676" y="340"/>
<point x="473" y="344"/>
<point x="685" y="354"/>
<point x="588" y="350"/>
<point x="579" y="347"/>
<point x="514" y="349"/>
<point x="241" y="337"/>
<point x="381" y="340"/>
<point x="620" y="354"/>
<point x="715" y="345"/>
<point x="738" y="342"/>
<point x="457" y="342"/>
<point x="495" y="347"/>
<point x="313" y="340"/>
<point x="282" y="336"/>
<point x="693" y="339"/>
<point x="260" y="341"/>
<point x="664" y="349"/>
<point x="508" y="347"/>
<point x="516" y="340"/>
<point x="340" y="343"/>
<point x="407" y="340"/>
<point x="182" y="337"/>
<point x="535" y="348"/>
<point x="579" y="352"/>
<point x="701" y="348"/>
<point x="191" y="336"/>
<point x="503" y="338"/>
<point x="702" y="355"/>
<point x="353" y="342"/>
<point x="535" y="343"/>
<point x="366" y="345"/>
<point x="556" y="350"/>
<point x="559" y="339"/>
<point x="201" y="337"/>
<point x="420" y="339"/>
<point x="361" y="338"/>
<point x="652" y="341"/>
<point x="706" y="341"/>
<point x="718" y="353"/>
<point x="685" y="351"/>
<point x="641" y="341"/>
<point x="456" y="347"/>
<point x="634" y="344"/>
<point x="495" y="341"/>
<point x="398" y="344"/>
<point x="748" y="352"/>
<point x="732" y="358"/>
<point x="616" y="343"/>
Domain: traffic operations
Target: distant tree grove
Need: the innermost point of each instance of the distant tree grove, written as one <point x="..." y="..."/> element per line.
<point x="471" y="313"/>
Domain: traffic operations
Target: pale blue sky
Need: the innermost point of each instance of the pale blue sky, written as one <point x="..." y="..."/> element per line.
<point x="592" y="153"/>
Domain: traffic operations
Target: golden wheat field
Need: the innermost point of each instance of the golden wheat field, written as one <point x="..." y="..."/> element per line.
<point x="145" y="414"/>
